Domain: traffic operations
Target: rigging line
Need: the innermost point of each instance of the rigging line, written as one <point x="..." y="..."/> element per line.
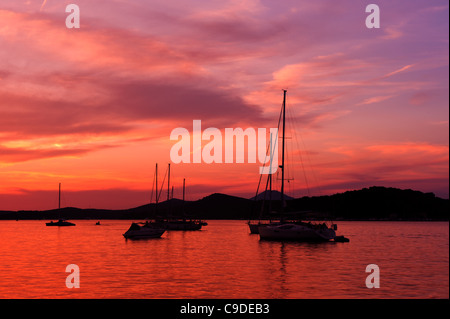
<point x="316" y="180"/>
<point x="291" y="117"/>
<point x="260" y="175"/>
<point x="153" y="187"/>
<point x="165" y="175"/>
<point x="290" y="168"/>
<point x="264" y="199"/>
<point x="268" y="146"/>
<point x="268" y="150"/>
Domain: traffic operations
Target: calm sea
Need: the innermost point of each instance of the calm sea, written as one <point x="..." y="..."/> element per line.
<point x="222" y="261"/>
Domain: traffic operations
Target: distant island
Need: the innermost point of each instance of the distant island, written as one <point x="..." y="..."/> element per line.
<point x="374" y="203"/>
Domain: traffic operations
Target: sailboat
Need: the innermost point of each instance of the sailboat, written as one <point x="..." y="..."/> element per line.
<point x="294" y="230"/>
<point x="299" y="231"/>
<point x="254" y="226"/>
<point x="60" y="222"/>
<point x="143" y="230"/>
<point x="147" y="229"/>
<point x="179" y="223"/>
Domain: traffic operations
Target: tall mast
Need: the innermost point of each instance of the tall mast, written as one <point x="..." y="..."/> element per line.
<point x="59" y="196"/>
<point x="156" y="185"/>
<point x="168" y="184"/>
<point x="184" y="181"/>
<point x="282" y="152"/>
<point x="270" y="193"/>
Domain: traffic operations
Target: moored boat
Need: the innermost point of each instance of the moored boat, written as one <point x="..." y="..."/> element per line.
<point x="298" y="231"/>
<point x="146" y="230"/>
<point x="60" y="222"/>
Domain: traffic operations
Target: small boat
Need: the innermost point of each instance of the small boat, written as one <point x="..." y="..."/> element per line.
<point x="97" y="223"/>
<point x="60" y="222"/>
<point x="146" y="230"/>
<point x="308" y="232"/>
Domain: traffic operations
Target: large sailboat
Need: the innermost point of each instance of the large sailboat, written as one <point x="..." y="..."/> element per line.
<point x="60" y="222"/>
<point x="253" y="225"/>
<point x="296" y="229"/>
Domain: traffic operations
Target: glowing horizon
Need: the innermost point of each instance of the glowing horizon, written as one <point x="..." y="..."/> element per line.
<point x="93" y="108"/>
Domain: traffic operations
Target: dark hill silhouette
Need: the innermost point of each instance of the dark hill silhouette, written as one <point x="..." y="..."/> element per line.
<point x="378" y="203"/>
<point x="274" y="195"/>
<point x="374" y="203"/>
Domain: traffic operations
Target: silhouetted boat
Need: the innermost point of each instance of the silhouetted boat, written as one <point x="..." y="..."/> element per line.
<point x="285" y="229"/>
<point x="299" y="231"/>
<point x="146" y="230"/>
<point x="60" y="222"/>
<point x="254" y="226"/>
<point x="178" y="223"/>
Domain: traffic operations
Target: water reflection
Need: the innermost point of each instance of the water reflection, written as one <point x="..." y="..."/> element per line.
<point x="222" y="261"/>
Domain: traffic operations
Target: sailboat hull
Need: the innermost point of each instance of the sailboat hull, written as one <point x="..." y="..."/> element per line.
<point x="296" y="233"/>
<point x="60" y="223"/>
<point x="140" y="232"/>
<point x="254" y="227"/>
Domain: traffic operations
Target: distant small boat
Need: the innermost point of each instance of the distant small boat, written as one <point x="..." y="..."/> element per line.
<point x="60" y="222"/>
<point x="137" y="231"/>
<point x="97" y="223"/>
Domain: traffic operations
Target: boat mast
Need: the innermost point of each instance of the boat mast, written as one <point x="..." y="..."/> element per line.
<point x="168" y="184"/>
<point x="282" y="152"/>
<point x="156" y="184"/>
<point x="182" y="209"/>
<point x="270" y="194"/>
<point x="59" y="197"/>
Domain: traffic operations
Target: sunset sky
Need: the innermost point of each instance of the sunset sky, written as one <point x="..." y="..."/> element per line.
<point x="93" y="108"/>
